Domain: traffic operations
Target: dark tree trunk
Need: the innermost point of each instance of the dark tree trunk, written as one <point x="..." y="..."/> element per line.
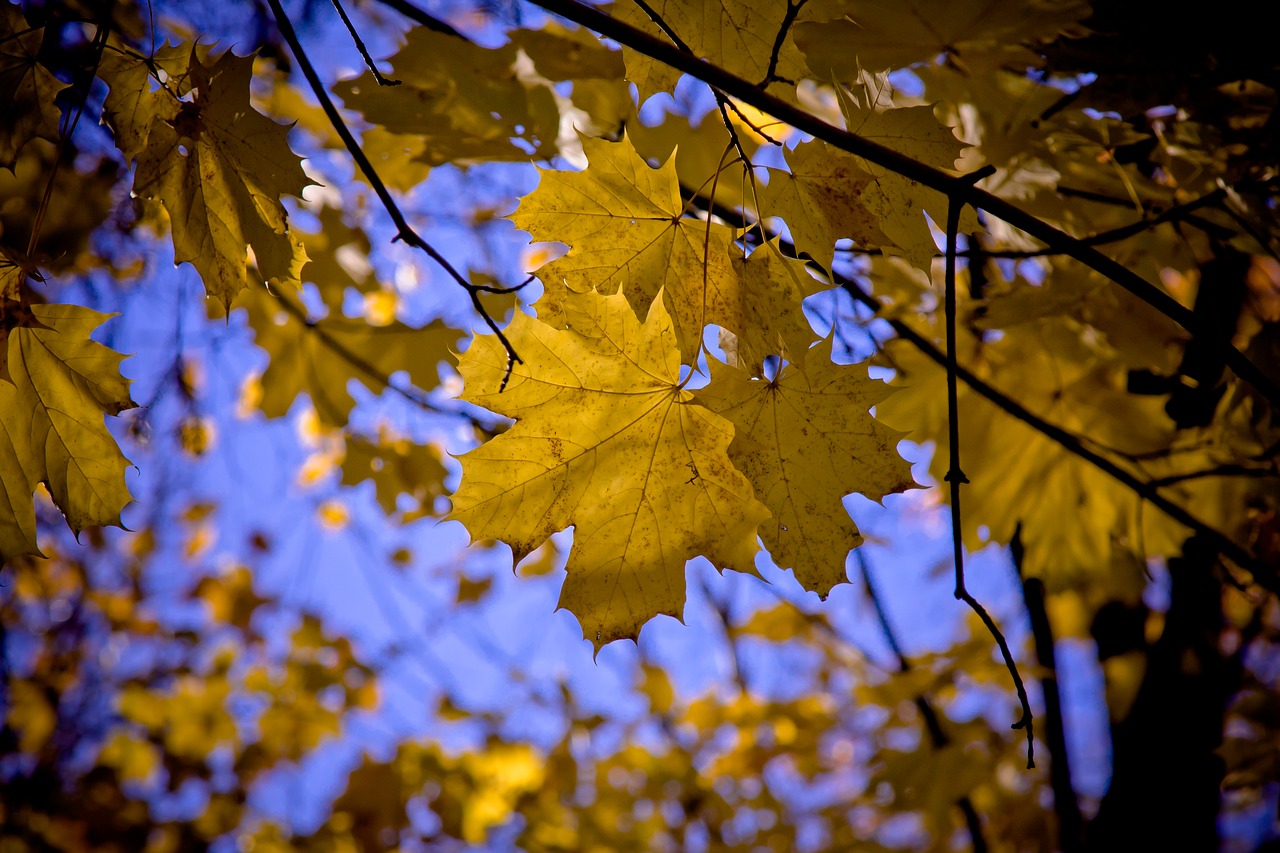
<point x="1165" y="787"/>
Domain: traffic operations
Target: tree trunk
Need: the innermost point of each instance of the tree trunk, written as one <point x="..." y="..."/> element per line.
<point x="1166" y="778"/>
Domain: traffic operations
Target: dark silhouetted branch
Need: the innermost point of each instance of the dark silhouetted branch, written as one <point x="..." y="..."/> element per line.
<point x="950" y="185"/>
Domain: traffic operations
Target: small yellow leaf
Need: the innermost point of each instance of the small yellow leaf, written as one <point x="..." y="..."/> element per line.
<point x="30" y="715"/>
<point x="333" y="514"/>
<point x="135" y="759"/>
<point x="805" y="440"/>
<point x="380" y="307"/>
<point x="197" y="435"/>
<point x="469" y="591"/>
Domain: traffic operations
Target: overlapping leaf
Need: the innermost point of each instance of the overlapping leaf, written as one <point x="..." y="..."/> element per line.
<point x="463" y="101"/>
<point x="607" y="441"/>
<point x="397" y="467"/>
<point x="27" y="88"/>
<point x="805" y="440"/>
<point x="56" y="388"/>
<point x="821" y="200"/>
<point x="827" y="194"/>
<point x="1018" y="476"/>
<point x="625" y="226"/>
<point x="217" y="165"/>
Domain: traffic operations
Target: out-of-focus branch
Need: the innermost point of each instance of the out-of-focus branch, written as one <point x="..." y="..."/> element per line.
<point x="937" y="736"/>
<point x="404" y="231"/>
<point x="1065" y="804"/>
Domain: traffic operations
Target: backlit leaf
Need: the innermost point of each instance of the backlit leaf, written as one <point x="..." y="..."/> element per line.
<point x="59" y="386"/>
<point x="27" y="88"/>
<point x="805" y="440"/>
<point x="607" y="441"/>
<point x="218" y="166"/>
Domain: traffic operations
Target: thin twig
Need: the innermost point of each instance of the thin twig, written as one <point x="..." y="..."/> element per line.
<point x="955" y="475"/>
<point x="69" y="128"/>
<point x="793" y="9"/>
<point x="412" y="394"/>
<point x="364" y="51"/>
<point x="404" y="231"/>
<point x="721" y="100"/>
<point x="756" y="129"/>
<point x="933" y="178"/>
<point x="1244" y="471"/>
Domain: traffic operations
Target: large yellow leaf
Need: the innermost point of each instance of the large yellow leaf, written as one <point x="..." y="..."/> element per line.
<point x="1019" y="477"/>
<point x="218" y="166"/>
<point x="607" y="441"/>
<point x="805" y="440"/>
<point x="57" y="386"/>
<point x="623" y="222"/>
<point x="27" y="88"/>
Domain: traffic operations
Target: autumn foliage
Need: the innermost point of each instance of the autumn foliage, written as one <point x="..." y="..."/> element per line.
<point x="679" y="277"/>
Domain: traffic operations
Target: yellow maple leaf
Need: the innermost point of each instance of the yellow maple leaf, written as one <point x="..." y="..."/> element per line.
<point x="27" y="88"/>
<point x="605" y="440"/>
<point x="397" y="467"/>
<point x="625" y="227"/>
<point x="1020" y="478"/>
<point x="740" y="36"/>
<point x="805" y="440"/>
<point x="821" y="201"/>
<point x="217" y="165"/>
<point x="463" y="102"/>
<point x="58" y="386"/>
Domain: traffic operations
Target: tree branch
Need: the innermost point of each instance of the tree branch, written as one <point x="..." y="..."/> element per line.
<point x="1264" y="574"/>
<point x="951" y="186"/>
<point x="364" y="51"/>
<point x="405" y="232"/>
<point x="412" y="394"/>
